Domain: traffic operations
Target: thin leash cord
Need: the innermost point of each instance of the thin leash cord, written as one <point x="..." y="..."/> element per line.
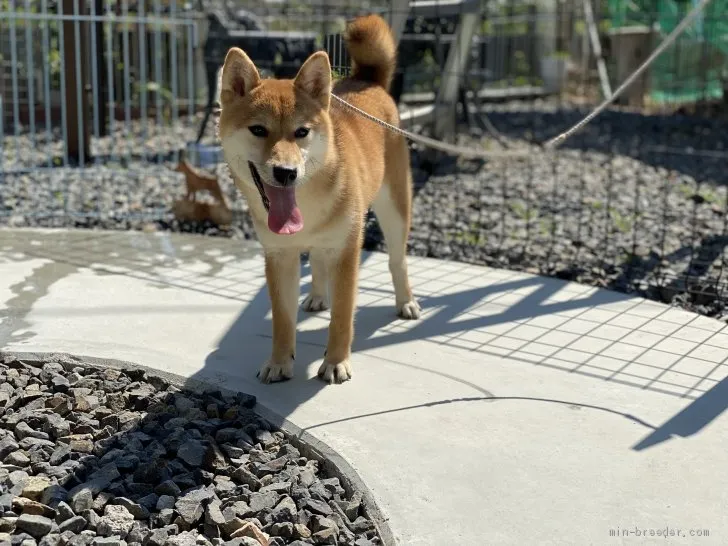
<point x="475" y="153"/>
<point x="676" y="32"/>
<point x="468" y="153"/>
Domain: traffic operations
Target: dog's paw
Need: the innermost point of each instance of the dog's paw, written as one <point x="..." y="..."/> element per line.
<point x="335" y="373"/>
<point x="409" y="310"/>
<point x="272" y="372"/>
<point x="314" y="304"/>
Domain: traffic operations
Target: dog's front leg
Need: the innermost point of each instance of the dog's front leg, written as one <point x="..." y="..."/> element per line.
<point x="283" y="272"/>
<point x="336" y="367"/>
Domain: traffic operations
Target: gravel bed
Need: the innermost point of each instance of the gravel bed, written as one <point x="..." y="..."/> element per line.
<point x="100" y="457"/>
<point x="633" y="203"/>
<point x="626" y="204"/>
<point x="129" y="185"/>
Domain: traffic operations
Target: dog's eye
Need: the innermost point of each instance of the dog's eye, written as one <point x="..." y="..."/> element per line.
<point x="258" y="130"/>
<point x="301" y="132"/>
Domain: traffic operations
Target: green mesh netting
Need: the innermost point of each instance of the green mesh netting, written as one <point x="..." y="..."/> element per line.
<point x="694" y="67"/>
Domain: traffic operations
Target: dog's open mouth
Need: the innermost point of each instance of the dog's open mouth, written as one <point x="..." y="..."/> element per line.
<point x="284" y="216"/>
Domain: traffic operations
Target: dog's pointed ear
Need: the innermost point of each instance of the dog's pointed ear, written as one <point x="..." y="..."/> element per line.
<point x="314" y="78"/>
<point x="239" y="75"/>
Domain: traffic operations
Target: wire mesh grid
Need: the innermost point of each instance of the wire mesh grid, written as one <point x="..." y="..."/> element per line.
<point x="97" y="110"/>
<point x="566" y="327"/>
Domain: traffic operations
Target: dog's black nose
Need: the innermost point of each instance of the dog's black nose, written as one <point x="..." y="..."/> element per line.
<point x="284" y="175"/>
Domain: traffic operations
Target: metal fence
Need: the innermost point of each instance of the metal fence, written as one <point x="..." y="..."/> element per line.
<point x="98" y="98"/>
<point x="74" y="72"/>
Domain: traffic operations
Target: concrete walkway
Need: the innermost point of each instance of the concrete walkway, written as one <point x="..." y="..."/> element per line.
<point x="518" y="410"/>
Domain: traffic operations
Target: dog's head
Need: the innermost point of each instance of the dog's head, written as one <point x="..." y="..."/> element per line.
<point x="281" y="126"/>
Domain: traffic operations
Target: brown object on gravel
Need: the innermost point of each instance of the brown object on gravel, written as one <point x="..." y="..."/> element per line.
<point x="189" y="209"/>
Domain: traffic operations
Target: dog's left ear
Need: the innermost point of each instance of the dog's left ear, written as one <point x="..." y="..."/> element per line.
<point x="314" y="77"/>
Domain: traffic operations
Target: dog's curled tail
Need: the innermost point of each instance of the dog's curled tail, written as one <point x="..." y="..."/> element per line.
<point x="372" y="49"/>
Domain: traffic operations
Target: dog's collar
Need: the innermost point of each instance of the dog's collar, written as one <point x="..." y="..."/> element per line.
<point x="259" y="184"/>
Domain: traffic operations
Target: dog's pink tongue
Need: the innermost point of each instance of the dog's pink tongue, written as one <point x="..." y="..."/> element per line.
<point x="284" y="216"/>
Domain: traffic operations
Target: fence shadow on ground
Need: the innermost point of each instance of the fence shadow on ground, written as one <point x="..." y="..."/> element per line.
<point x="239" y="353"/>
<point x="452" y="316"/>
<point x="691" y="420"/>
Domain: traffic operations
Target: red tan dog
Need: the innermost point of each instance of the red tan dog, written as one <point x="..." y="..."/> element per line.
<point x="309" y="171"/>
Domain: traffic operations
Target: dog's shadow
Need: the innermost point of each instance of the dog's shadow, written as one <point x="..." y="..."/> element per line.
<point x="247" y="343"/>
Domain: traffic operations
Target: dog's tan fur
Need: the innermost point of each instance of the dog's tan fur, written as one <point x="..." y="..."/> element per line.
<point x="346" y="164"/>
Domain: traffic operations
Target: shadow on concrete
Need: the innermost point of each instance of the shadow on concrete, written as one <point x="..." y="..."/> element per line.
<point x="241" y="352"/>
<point x="450" y="307"/>
<point x="246" y="343"/>
<point x="691" y="420"/>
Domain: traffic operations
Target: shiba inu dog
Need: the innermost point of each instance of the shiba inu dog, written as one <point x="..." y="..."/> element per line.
<point x="309" y="171"/>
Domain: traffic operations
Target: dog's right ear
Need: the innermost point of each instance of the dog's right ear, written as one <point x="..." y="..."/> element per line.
<point x="239" y="75"/>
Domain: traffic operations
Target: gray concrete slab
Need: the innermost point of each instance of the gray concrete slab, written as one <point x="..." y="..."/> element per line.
<point x="518" y="410"/>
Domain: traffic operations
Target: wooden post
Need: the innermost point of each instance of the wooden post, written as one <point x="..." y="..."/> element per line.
<point x="563" y="21"/>
<point x="398" y="14"/>
<point x="510" y="42"/>
<point x="630" y="48"/>
<point x="102" y="84"/>
<point x="532" y="47"/>
<point x="78" y="135"/>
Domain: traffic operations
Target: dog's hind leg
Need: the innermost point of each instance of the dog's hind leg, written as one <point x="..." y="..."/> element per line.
<point x="393" y="209"/>
<point x="318" y="299"/>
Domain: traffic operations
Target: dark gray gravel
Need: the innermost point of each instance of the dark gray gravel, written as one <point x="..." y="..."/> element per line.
<point x="129" y="184"/>
<point x="627" y="204"/>
<point x="632" y="203"/>
<point x="121" y="458"/>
